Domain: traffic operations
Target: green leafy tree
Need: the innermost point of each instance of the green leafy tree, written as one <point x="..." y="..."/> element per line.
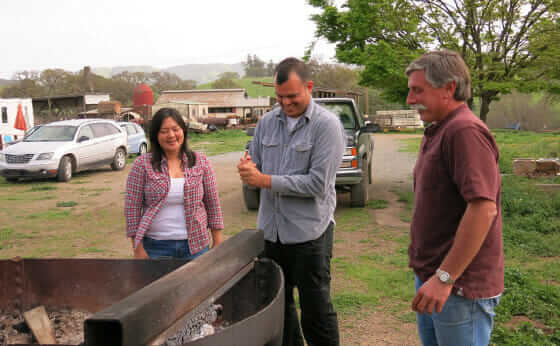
<point x="226" y="80"/>
<point x="508" y="44"/>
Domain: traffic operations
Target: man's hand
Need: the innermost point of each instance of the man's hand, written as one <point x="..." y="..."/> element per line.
<point x="251" y="175"/>
<point x="432" y="294"/>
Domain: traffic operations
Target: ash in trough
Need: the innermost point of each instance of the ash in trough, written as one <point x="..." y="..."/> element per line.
<point x="150" y="302"/>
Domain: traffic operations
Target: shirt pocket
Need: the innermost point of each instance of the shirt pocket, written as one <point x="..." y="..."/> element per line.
<point x="433" y="174"/>
<point x="300" y="155"/>
<point x="194" y="187"/>
<point x="270" y="154"/>
<point x="156" y="188"/>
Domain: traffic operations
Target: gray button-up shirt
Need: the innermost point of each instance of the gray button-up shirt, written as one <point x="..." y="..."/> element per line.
<point x="303" y="163"/>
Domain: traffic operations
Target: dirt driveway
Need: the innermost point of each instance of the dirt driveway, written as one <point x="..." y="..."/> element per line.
<point x="392" y="171"/>
<point x="94" y="227"/>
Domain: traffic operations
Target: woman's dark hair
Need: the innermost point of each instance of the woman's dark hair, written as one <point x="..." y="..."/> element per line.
<point x="155" y="126"/>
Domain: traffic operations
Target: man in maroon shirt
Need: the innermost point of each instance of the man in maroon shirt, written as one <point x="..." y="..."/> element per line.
<point x="456" y="232"/>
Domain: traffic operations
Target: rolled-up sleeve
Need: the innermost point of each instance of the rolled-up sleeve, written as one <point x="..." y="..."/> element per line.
<point x="211" y="198"/>
<point x="326" y="156"/>
<point x="134" y="196"/>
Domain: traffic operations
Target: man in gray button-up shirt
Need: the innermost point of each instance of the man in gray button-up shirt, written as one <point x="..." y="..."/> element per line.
<point x="294" y="155"/>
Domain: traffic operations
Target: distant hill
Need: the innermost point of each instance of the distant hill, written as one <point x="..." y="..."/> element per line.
<point x="253" y="90"/>
<point x="7" y="82"/>
<point x="201" y="73"/>
<point x="204" y="73"/>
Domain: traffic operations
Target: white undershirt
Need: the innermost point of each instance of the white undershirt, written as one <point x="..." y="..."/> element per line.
<point x="170" y="222"/>
<point x="292" y="122"/>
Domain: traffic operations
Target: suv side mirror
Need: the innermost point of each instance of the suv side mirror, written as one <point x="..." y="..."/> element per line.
<point x="371" y="128"/>
<point x="250" y="131"/>
<point x="83" y="139"/>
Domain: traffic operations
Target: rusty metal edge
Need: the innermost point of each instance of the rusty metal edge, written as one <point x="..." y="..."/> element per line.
<point x="145" y="314"/>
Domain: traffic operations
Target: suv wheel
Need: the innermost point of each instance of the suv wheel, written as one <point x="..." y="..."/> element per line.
<point x="119" y="161"/>
<point x="64" y="169"/>
<point x="143" y="149"/>
<point x="359" y="192"/>
<point x="251" y="195"/>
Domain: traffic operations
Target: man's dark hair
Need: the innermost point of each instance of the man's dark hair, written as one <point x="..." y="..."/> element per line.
<point x="155" y="147"/>
<point x="286" y="66"/>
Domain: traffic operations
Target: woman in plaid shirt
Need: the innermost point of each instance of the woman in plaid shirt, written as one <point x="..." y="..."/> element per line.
<point x="171" y="195"/>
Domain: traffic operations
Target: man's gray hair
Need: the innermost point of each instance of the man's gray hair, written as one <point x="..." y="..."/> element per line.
<point x="442" y="67"/>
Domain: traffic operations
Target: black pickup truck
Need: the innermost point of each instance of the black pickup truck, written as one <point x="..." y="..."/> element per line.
<point x="356" y="171"/>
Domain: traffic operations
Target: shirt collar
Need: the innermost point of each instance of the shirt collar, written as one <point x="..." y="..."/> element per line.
<point x="433" y="127"/>
<point x="307" y="114"/>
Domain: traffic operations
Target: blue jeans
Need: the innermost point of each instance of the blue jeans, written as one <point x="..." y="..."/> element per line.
<point x="170" y="249"/>
<point x="462" y="322"/>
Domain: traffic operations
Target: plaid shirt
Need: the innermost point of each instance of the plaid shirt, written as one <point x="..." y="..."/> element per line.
<point x="146" y="192"/>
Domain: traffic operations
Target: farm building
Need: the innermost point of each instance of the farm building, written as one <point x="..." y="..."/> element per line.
<point x="66" y="106"/>
<point x="222" y="103"/>
<point x="190" y="110"/>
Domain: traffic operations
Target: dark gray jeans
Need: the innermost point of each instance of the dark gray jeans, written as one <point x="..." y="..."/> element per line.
<point x="307" y="266"/>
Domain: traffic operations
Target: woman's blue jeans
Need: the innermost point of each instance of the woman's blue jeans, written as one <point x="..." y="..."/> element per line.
<point x="170" y="249"/>
<point x="462" y="322"/>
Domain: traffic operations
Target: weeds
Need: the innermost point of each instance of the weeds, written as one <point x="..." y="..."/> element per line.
<point x="531" y="233"/>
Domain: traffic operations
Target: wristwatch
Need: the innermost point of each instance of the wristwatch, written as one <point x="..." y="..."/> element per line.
<point x="444" y="277"/>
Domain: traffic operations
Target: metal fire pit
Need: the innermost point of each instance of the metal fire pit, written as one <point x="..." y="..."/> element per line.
<point x="143" y="302"/>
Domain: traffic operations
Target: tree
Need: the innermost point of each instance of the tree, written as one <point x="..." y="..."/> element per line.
<point x="226" y="81"/>
<point x="27" y="85"/>
<point x="255" y="67"/>
<point x="508" y="44"/>
<point x="334" y="76"/>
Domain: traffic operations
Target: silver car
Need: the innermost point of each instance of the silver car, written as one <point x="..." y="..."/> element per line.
<point x="62" y="148"/>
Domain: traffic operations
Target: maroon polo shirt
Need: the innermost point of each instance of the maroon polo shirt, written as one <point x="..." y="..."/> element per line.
<point x="457" y="163"/>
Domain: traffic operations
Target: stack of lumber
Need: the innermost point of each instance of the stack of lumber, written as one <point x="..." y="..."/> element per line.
<point x="105" y="107"/>
<point x="404" y="118"/>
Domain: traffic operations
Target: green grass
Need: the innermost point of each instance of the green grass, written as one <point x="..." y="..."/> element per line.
<point x="531" y="234"/>
<point x="42" y="187"/>
<point x="219" y="142"/>
<point x="66" y="204"/>
<point x="378" y="204"/>
<point x="253" y="90"/>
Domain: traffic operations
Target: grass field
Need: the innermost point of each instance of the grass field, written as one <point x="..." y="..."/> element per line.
<point x="253" y="90"/>
<point x="82" y="219"/>
<point x="529" y="311"/>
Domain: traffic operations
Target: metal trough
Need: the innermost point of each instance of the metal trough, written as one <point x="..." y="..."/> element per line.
<point x="142" y="302"/>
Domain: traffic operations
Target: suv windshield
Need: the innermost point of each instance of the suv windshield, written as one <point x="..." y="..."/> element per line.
<point x="52" y="134"/>
<point x="344" y="112"/>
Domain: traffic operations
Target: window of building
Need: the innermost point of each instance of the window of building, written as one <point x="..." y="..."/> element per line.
<point x="203" y="111"/>
<point x="220" y="110"/>
<point x="4" y="115"/>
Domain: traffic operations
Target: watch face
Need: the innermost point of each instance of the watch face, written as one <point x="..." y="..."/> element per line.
<point x="444" y="277"/>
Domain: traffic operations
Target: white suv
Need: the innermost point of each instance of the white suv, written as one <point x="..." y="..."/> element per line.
<point x="64" y="147"/>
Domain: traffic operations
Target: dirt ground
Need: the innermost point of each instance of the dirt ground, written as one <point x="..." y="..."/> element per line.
<point x="392" y="170"/>
<point x="104" y="190"/>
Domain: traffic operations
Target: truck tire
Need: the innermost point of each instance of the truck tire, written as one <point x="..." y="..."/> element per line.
<point x="251" y="196"/>
<point x="64" y="173"/>
<point x="359" y="192"/>
<point x="119" y="160"/>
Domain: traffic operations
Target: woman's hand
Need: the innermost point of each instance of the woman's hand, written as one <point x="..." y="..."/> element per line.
<point x="139" y="252"/>
<point x="216" y="238"/>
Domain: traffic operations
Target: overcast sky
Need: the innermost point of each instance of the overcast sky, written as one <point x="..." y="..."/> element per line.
<point x="70" y="34"/>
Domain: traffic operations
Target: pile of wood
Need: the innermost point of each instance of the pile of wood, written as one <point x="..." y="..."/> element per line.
<point x="396" y="119"/>
<point x="536" y="167"/>
<point x="109" y="107"/>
